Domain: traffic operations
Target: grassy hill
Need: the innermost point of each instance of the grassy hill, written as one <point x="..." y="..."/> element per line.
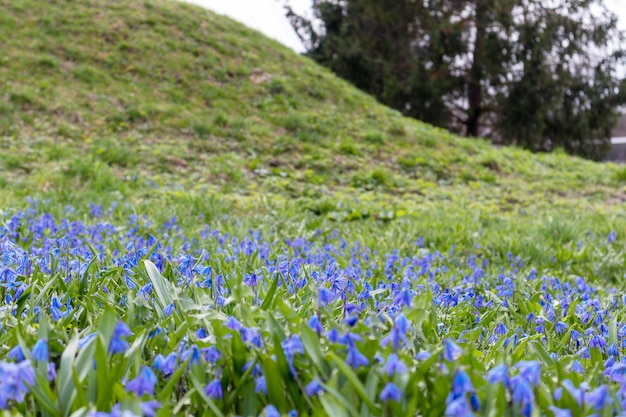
<point x="183" y="197"/>
<point x="95" y="95"/>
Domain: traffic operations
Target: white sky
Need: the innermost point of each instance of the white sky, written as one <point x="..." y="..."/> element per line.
<point x="616" y="6"/>
<point x="266" y="16"/>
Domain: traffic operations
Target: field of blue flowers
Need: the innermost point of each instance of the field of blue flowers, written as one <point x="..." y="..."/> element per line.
<point x="106" y="319"/>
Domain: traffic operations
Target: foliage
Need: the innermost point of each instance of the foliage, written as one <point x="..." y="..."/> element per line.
<point x="524" y="72"/>
<point x="101" y="317"/>
<point x="281" y="249"/>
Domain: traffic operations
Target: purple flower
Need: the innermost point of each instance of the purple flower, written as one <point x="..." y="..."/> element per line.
<point x="14" y="382"/>
<point x="16" y="354"/>
<point x="597" y="342"/>
<point x="530" y="371"/>
<point x="325" y="296"/>
<point x="451" y="351"/>
<point x="390" y="392"/>
<point x="560" y="328"/>
<point x="40" y="350"/>
<point x="143" y="383"/>
<point x="233" y="324"/>
<point x="271" y="411"/>
<point x="214" y="389"/>
<point x="316" y="324"/>
<point x="394" y="365"/>
<point x="260" y="385"/>
<point x="599" y="398"/>
<point x="500" y="329"/>
<point x="313" y="388"/>
<point x="117" y="344"/>
<point x="522" y="394"/>
<point x="499" y="373"/>
<point x="355" y="358"/>
<point x="458" y="408"/>
<point x="148" y="408"/>
<point x="398" y="333"/>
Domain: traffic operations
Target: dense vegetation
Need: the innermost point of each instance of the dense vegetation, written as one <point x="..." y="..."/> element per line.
<point x="536" y="74"/>
<point x="194" y="220"/>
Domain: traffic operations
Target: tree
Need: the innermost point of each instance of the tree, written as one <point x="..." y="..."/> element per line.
<point x="534" y="73"/>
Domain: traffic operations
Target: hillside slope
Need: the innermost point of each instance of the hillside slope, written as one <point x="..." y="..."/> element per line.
<point x="99" y="94"/>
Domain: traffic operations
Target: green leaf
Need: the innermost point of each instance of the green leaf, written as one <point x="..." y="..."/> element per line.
<point x="543" y="354"/>
<point x="199" y="387"/>
<point x="44" y="396"/>
<point x="354" y="380"/>
<point x="311" y="344"/>
<point x="613" y="331"/>
<point x="66" y="391"/>
<point x="332" y="406"/>
<point x="275" y="385"/>
<point x="160" y="285"/>
<point x="270" y="295"/>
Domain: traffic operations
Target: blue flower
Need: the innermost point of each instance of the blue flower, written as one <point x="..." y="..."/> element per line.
<point x="211" y="354"/>
<point x="165" y="365"/>
<point x="458" y="408"/>
<point x="292" y="346"/>
<point x="313" y="388"/>
<point x="14" y="382"/>
<point x="315" y="324"/>
<point x="499" y="373"/>
<point x="214" y="389"/>
<point x="500" y="329"/>
<point x="40" y="350"/>
<point x="597" y="342"/>
<point x="193" y="353"/>
<point x="522" y="394"/>
<point x="394" y="365"/>
<point x="390" y="392"/>
<point x="169" y="309"/>
<point x="355" y="358"/>
<point x="577" y="367"/>
<point x="451" y="351"/>
<point x="398" y="333"/>
<point x="16" y="354"/>
<point x="271" y="411"/>
<point x="461" y="384"/>
<point x="148" y="408"/>
<point x="233" y="324"/>
<point x="260" y="385"/>
<point x="599" y="398"/>
<point x="423" y="355"/>
<point x="325" y="296"/>
<point x="117" y="344"/>
<point x="530" y="370"/>
<point x="143" y="383"/>
<point x="560" y="328"/>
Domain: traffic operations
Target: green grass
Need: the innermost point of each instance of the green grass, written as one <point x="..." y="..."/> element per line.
<point x="154" y="110"/>
<point x="156" y="105"/>
<point x="169" y="92"/>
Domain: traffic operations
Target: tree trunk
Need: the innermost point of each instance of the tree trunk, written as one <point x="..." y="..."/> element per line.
<point x="474" y="88"/>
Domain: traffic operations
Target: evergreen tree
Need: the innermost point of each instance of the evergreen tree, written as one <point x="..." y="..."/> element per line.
<point x="535" y="73"/>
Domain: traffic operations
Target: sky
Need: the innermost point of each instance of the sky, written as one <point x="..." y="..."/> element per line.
<point x="616" y="6"/>
<point x="268" y="17"/>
